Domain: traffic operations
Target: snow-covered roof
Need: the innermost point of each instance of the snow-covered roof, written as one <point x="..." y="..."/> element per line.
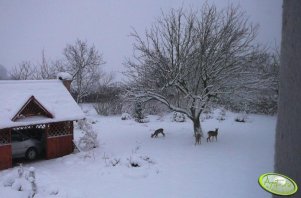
<point x="52" y="94"/>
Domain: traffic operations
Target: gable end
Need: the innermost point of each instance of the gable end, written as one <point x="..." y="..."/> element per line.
<point x="32" y="108"/>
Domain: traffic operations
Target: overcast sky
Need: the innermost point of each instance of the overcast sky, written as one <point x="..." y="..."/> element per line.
<point x="27" y="27"/>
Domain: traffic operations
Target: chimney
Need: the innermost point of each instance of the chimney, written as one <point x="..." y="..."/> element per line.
<point x="66" y="78"/>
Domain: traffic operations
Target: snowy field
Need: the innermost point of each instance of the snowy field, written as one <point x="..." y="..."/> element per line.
<point x="169" y="167"/>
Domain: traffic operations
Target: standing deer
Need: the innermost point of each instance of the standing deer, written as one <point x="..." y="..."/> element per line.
<point x="197" y="138"/>
<point x="212" y="134"/>
<point x="156" y="133"/>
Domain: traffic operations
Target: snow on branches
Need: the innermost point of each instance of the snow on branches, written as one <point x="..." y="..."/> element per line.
<point x="89" y="140"/>
<point x="189" y="59"/>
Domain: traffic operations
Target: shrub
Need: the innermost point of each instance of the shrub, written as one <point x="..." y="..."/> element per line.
<point x="178" y="117"/>
<point x="89" y="140"/>
<point x="108" y="108"/>
<point x="222" y="115"/>
<point x="241" y="118"/>
<point x="138" y="113"/>
<point x="125" y="116"/>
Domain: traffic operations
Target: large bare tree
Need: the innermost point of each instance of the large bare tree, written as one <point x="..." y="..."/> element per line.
<point x="83" y="63"/>
<point x="194" y="55"/>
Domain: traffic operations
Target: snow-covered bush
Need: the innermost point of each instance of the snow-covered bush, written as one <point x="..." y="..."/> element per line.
<point x="115" y="161"/>
<point x="134" y="161"/>
<point x="32" y="179"/>
<point x="242" y="117"/>
<point x="18" y="184"/>
<point x="107" y="108"/>
<point x="138" y="111"/>
<point x="154" y="108"/>
<point x="207" y="113"/>
<point x="222" y="115"/>
<point x="178" y="117"/>
<point x="125" y="116"/>
<point x="111" y="162"/>
<point x="127" y="106"/>
<point x="266" y="105"/>
<point x="222" y="112"/>
<point x="89" y="140"/>
<point x="144" y="120"/>
<point x="22" y="181"/>
<point x="81" y="123"/>
<point x="102" y="108"/>
<point x="220" y="118"/>
<point x="206" y="116"/>
<point x="20" y="170"/>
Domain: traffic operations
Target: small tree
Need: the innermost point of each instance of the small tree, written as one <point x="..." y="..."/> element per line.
<point x="83" y="62"/>
<point x="89" y="140"/>
<point x="45" y="69"/>
<point x="24" y="71"/>
<point x="138" y="111"/>
<point x="108" y="97"/>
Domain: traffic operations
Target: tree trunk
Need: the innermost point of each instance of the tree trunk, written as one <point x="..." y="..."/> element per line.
<point x="197" y="126"/>
<point x="288" y="131"/>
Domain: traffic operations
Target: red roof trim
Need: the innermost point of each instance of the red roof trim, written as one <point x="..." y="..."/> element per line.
<point x="32" y="99"/>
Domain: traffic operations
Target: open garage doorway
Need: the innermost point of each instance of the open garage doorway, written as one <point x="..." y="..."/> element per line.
<point x="28" y="143"/>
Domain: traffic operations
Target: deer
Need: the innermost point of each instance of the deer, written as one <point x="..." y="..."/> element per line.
<point x="212" y="134"/>
<point x="197" y="138"/>
<point x="157" y="132"/>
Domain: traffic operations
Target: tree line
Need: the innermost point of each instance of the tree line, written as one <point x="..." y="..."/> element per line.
<point x="80" y="60"/>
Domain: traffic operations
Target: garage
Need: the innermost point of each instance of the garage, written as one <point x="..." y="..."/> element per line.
<point x="28" y="142"/>
<point x="37" y="119"/>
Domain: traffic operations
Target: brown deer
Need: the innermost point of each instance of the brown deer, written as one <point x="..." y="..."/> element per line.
<point x="197" y="138"/>
<point x="212" y="134"/>
<point x="156" y="133"/>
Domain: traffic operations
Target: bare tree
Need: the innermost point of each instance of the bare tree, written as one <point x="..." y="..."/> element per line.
<point x="266" y="82"/>
<point x="45" y="69"/>
<point x="196" y="55"/>
<point x="42" y="70"/>
<point x="106" y="79"/>
<point x="83" y="64"/>
<point x="24" y="71"/>
<point x="81" y="61"/>
<point x="259" y="90"/>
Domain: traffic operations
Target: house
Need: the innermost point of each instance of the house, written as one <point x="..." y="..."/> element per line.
<point x="39" y="106"/>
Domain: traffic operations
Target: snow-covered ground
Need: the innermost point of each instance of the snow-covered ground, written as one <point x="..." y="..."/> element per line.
<point x="170" y="166"/>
